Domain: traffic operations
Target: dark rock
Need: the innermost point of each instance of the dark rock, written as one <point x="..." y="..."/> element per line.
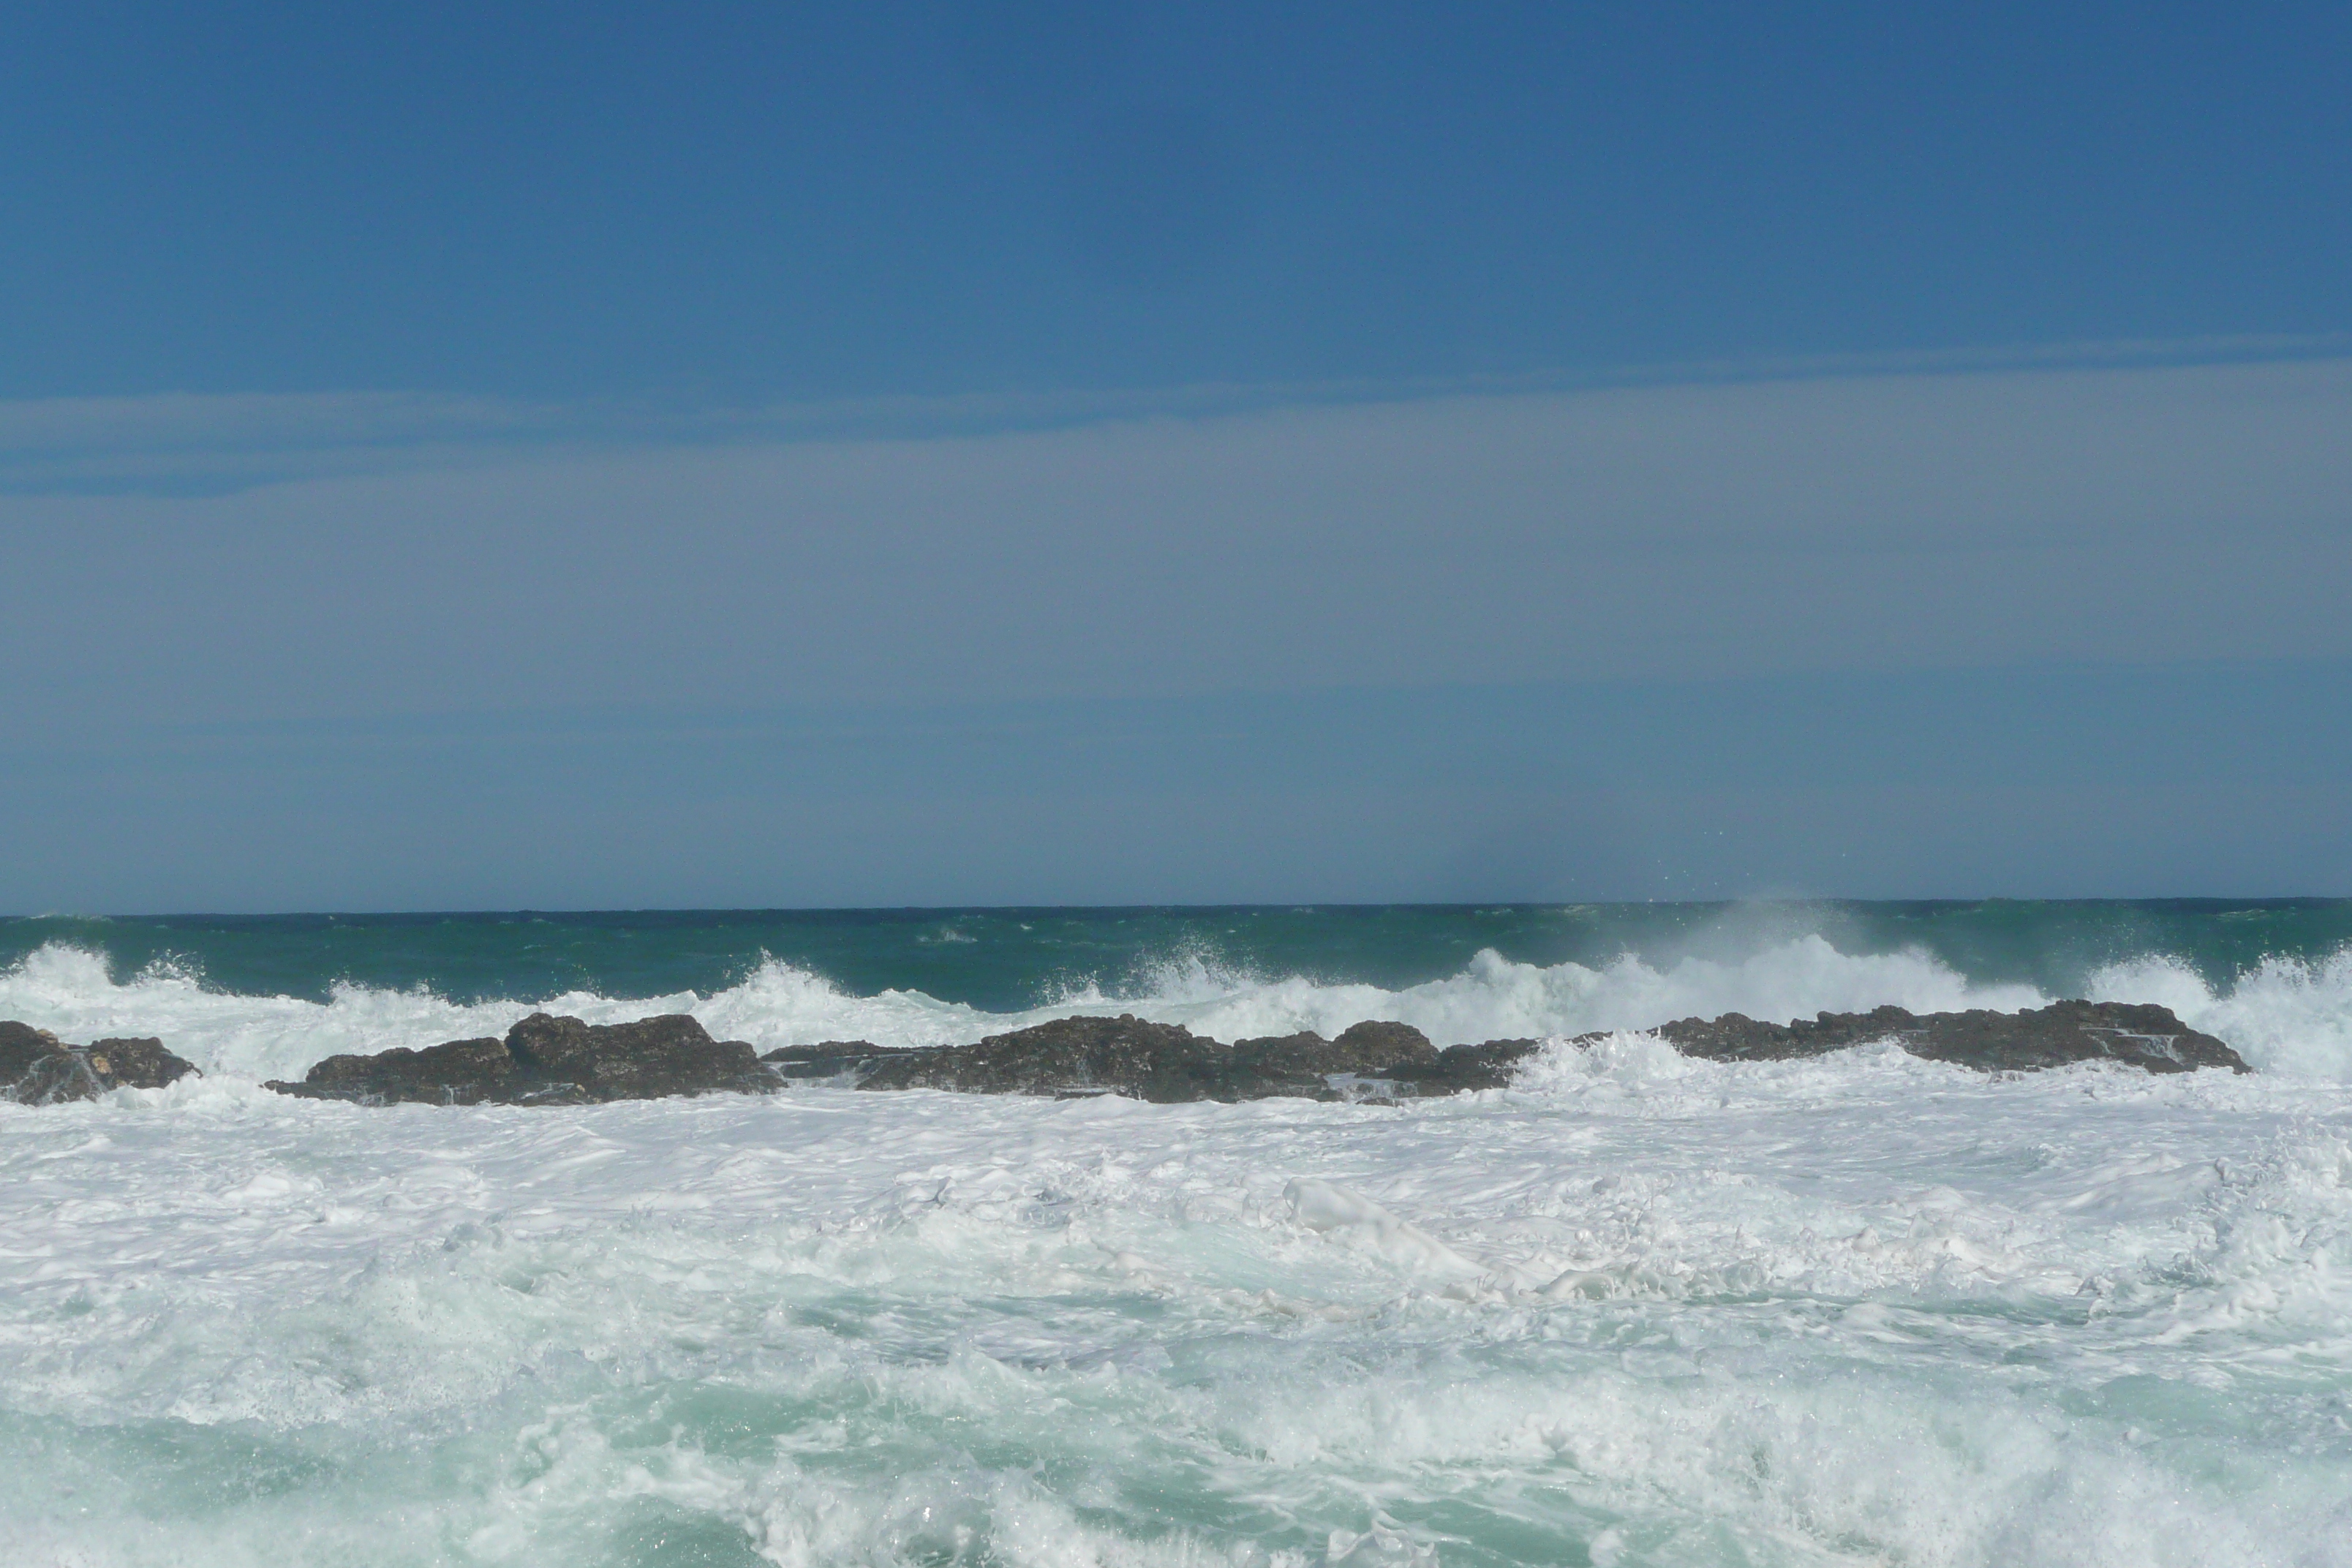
<point x="1461" y="1068"/>
<point x="649" y="1060"/>
<point x="1163" y="1062"/>
<point x="21" y="1046"/>
<point x="138" y="1062"/>
<point x="463" y="1072"/>
<point x="1366" y="1048"/>
<point x="545" y="1060"/>
<point x="2139" y="1035"/>
<point x="1170" y="1064"/>
<point x="1370" y="1060"/>
<point x="37" y="1068"/>
<point x="1377" y="1061"/>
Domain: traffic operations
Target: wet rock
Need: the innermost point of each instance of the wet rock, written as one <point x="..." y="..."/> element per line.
<point x="1168" y="1064"/>
<point x="463" y="1072"/>
<point x="827" y="1059"/>
<point x="649" y="1060"/>
<point x="1163" y="1062"/>
<point x="37" y="1068"/>
<point x="2139" y="1035"/>
<point x="548" y="1060"/>
<point x="545" y="1060"/>
<point x="1387" y="1061"/>
<point x="1460" y="1068"/>
<point x="1371" y="1061"/>
<point x="1366" y="1048"/>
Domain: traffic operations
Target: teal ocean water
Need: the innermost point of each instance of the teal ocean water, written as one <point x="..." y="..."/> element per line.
<point x="1007" y="960"/>
<point x="1634" y="1309"/>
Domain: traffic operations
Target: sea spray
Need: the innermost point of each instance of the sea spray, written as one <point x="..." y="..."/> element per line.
<point x="69" y="992"/>
<point x="1637" y="1309"/>
<point x="1860" y="1307"/>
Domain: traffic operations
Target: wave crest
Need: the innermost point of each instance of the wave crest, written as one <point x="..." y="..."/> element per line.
<point x="2287" y="1015"/>
<point x="69" y="990"/>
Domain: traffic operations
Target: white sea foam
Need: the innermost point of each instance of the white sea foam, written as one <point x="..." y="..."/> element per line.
<point x="1640" y="1308"/>
<point x="69" y="991"/>
<point x="1645" y="1309"/>
<point x="2285" y="1015"/>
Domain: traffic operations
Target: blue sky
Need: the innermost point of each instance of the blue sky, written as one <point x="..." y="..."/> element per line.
<point x="607" y="456"/>
<point x="756" y="201"/>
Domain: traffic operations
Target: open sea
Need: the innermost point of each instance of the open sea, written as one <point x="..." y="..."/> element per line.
<point x="1634" y="1309"/>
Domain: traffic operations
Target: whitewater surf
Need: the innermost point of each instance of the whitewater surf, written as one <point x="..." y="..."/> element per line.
<point x="1634" y="1309"/>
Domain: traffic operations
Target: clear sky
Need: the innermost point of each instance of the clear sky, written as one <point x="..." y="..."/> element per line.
<point x="599" y="455"/>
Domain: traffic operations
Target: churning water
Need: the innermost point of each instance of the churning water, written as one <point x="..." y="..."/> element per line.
<point x="1636" y="1310"/>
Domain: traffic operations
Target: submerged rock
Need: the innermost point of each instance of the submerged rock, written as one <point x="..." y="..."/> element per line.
<point x="545" y="1060"/>
<point x="38" y="1068"/>
<point x="2141" y="1035"/>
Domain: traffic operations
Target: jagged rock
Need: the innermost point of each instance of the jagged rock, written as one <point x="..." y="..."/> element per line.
<point x="1163" y="1062"/>
<point x="37" y="1068"/>
<point x="648" y="1059"/>
<point x="22" y="1046"/>
<point x="2141" y="1035"/>
<point x="1388" y="1061"/>
<point x="545" y="1060"/>
<point x="1170" y="1064"/>
<point x="1361" y="1048"/>
<point x="463" y="1072"/>
<point x="1489" y="1065"/>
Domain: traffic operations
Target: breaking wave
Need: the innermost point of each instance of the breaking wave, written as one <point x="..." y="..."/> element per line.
<point x="2285" y="1015"/>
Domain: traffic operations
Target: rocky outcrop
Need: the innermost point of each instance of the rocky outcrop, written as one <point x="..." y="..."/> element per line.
<point x="1170" y="1065"/>
<point x="1375" y="1060"/>
<point x="1126" y="1055"/>
<point x="1371" y="1061"/>
<point x="2136" y="1034"/>
<point x="550" y="1060"/>
<point x="463" y="1072"/>
<point x="545" y="1060"/>
<point x="38" y="1068"/>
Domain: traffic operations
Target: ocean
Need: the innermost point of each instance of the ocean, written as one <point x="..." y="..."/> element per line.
<point x="1634" y="1309"/>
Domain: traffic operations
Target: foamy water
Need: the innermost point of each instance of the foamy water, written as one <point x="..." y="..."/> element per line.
<point x="1638" y="1309"/>
<point x="2287" y="1015"/>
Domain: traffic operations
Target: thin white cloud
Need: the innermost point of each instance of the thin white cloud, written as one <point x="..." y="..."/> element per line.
<point x="1874" y="521"/>
<point x="174" y="442"/>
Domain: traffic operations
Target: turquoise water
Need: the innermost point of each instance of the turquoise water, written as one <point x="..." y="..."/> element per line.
<point x="1002" y="960"/>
